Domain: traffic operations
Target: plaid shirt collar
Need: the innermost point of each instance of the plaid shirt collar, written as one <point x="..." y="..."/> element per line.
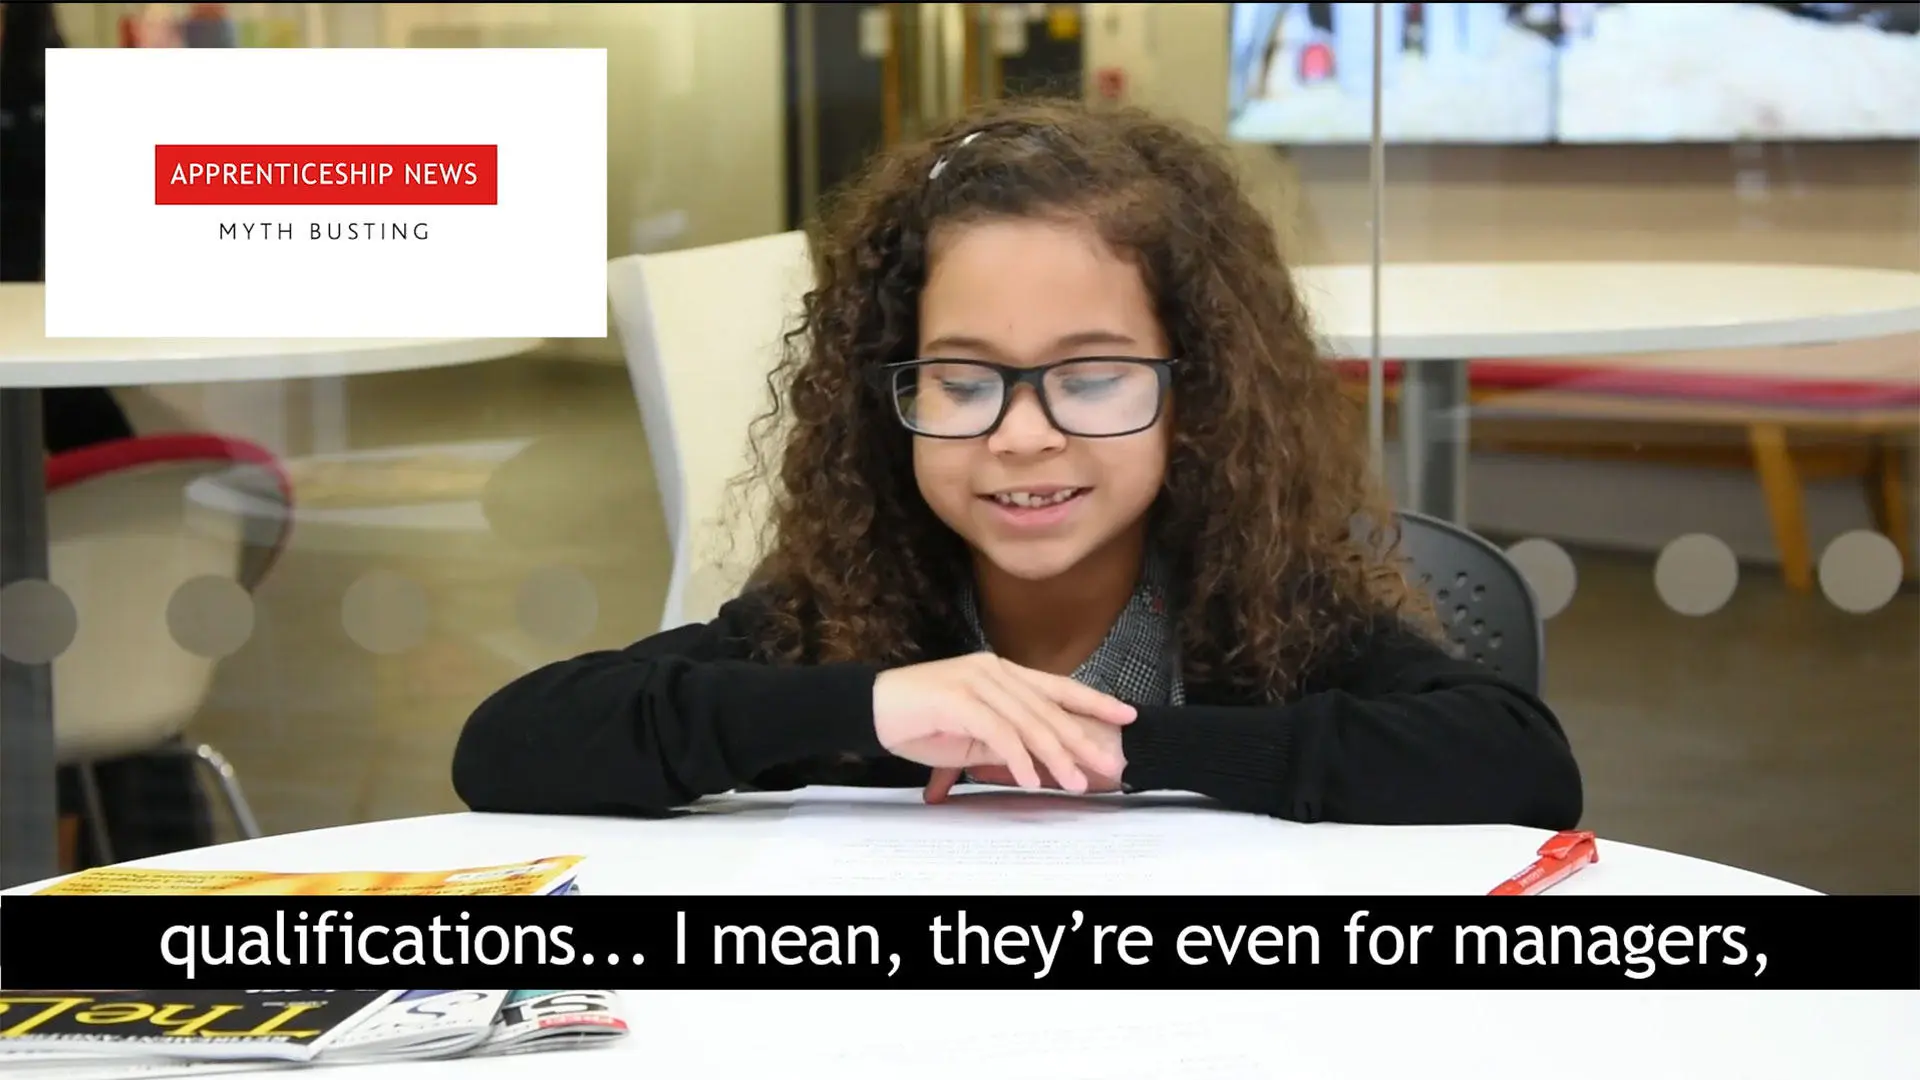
<point x="1138" y="661"/>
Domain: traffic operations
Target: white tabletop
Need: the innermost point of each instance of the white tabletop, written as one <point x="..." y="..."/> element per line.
<point x="749" y="844"/>
<point x="746" y="844"/>
<point x="28" y="358"/>
<point x="1563" y="310"/>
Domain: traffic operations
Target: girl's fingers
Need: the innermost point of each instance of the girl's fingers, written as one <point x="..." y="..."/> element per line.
<point x="1004" y="740"/>
<point x="1077" y="697"/>
<point x="1072" y="729"/>
<point x="1037" y="731"/>
<point x="942" y="783"/>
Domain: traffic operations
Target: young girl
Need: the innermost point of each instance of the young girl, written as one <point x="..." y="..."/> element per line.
<point x="1067" y="499"/>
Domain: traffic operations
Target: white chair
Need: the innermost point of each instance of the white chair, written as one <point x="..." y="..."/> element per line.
<point x="702" y="329"/>
<point x="123" y="537"/>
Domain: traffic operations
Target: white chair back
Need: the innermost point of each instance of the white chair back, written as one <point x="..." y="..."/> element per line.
<point x="702" y="329"/>
<point x="121" y="544"/>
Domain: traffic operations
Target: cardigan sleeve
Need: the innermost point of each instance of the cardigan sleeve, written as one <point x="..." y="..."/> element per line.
<point x="676" y="716"/>
<point x="1397" y="733"/>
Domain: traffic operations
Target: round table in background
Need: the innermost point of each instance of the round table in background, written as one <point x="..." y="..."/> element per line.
<point x="1438" y="317"/>
<point x="30" y="362"/>
<point x="738" y="846"/>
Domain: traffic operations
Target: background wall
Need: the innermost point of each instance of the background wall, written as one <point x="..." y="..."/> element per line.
<point x="1833" y="204"/>
<point x="695" y="108"/>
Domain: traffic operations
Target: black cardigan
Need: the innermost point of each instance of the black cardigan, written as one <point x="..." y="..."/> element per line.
<point x="1393" y="732"/>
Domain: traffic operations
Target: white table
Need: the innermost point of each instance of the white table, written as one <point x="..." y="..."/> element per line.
<point x="737" y="844"/>
<point x="741" y="847"/>
<point x="30" y="362"/>
<point x="1437" y="317"/>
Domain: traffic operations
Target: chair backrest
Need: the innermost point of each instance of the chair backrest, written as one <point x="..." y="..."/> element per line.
<point x="1483" y="601"/>
<point x="702" y="329"/>
<point x="123" y="538"/>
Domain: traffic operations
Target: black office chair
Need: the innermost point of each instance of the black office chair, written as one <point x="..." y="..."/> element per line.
<point x="1484" y="603"/>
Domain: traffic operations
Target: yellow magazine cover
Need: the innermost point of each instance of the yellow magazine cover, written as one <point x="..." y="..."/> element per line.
<point x="541" y="877"/>
<point x="292" y="1025"/>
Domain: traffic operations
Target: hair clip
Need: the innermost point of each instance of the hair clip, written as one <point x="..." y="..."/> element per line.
<point x="940" y="166"/>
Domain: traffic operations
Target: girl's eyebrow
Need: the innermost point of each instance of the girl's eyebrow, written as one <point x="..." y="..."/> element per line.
<point x="1077" y="340"/>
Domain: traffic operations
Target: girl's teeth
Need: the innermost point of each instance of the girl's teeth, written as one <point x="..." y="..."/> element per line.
<point x="1027" y="499"/>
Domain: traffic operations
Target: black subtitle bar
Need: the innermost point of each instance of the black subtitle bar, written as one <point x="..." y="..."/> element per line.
<point x="919" y="942"/>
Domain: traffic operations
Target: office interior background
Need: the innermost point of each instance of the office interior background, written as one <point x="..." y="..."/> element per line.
<point x="1735" y="657"/>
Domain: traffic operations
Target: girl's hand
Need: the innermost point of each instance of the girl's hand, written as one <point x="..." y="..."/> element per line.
<point x="944" y="779"/>
<point x="981" y="710"/>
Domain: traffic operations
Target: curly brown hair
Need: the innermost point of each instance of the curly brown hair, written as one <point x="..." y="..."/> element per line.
<point x="1263" y="518"/>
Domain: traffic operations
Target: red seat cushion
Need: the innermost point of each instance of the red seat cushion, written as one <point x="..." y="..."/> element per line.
<point x="79" y="465"/>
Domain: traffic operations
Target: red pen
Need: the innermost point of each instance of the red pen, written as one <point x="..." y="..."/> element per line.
<point x="1561" y="857"/>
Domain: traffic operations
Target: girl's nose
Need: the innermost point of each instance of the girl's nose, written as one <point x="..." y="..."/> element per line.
<point x="1025" y="429"/>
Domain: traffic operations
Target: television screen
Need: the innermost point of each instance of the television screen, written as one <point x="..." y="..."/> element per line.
<point x="1724" y="72"/>
<point x="1577" y="73"/>
<point x="1451" y="73"/>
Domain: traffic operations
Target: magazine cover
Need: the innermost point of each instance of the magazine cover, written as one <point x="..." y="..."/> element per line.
<point x="421" y="1024"/>
<point x="545" y="876"/>
<point x="289" y="1025"/>
<point x="548" y="1019"/>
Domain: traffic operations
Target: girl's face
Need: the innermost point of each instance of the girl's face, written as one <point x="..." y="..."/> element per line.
<point x="1031" y="499"/>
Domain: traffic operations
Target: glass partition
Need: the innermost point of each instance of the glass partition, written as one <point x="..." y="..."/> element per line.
<point x="1648" y="295"/>
<point x="451" y="525"/>
<point x="1641" y="284"/>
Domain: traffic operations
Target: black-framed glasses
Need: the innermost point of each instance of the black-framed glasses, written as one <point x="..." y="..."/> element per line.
<point x="1090" y="397"/>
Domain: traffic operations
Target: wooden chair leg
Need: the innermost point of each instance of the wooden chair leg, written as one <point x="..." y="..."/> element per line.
<point x="1887" y="495"/>
<point x="69" y="843"/>
<point x="1786" y="503"/>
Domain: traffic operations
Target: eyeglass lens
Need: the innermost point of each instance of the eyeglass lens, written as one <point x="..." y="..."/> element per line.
<point x="958" y="399"/>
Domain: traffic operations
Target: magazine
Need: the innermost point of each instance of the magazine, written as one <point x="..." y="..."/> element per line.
<point x="148" y="1034"/>
<point x="421" y="1024"/>
<point x="412" y="1025"/>
<point x="548" y="1019"/>
<point x="550" y="876"/>
<point x="280" y="1025"/>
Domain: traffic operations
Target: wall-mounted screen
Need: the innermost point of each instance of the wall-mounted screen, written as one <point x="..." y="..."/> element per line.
<point x="1520" y="74"/>
<point x="1450" y="73"/>
<point x="1727" y="72"/>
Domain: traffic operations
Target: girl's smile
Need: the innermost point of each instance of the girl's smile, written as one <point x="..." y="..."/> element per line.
<point x="1037" y="506"/>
